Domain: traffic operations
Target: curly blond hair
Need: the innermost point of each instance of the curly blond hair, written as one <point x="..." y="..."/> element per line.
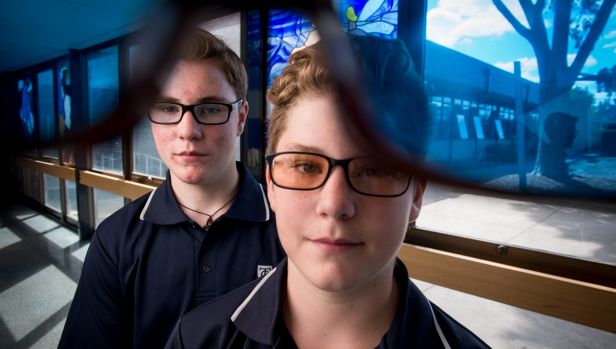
<point x="305" y="74"/>
<point x="387" y="71"/>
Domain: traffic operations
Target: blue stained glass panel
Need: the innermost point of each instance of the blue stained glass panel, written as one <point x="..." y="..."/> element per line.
<point x="290" y="30"/>
<point x="254" y="49"/>
<point x="372" y="17"/>
<point x="63" y="99"/>
<point x="26" y="116"/>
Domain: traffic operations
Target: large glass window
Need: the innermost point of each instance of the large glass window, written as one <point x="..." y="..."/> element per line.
<point x="470" y="55"/>
<point x="103" y="94"/>
<point x="45" y="101"/>
<point x="64" y="106"/>
<point x="51" y="185"/>
<point x="146" y="160"/>
<point x="105" y="203"/>
<point x="229" y="30"/>
<point x="145" y="157"/>
<point x="71" y="199"/>
<point x="33" y="184"/>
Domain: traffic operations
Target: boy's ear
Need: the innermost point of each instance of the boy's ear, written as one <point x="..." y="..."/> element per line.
<point x="243" y="115"/>
<point x="420" y="188"/>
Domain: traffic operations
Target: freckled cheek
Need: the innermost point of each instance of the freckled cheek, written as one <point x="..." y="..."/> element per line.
<point x="219" y="136"/>
<point x="163" y="141"/>
<point x="294" y="213"/>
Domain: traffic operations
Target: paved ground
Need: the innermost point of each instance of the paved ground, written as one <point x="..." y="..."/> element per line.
<point x="583" y="230"/>
<point x="41" y="262"/>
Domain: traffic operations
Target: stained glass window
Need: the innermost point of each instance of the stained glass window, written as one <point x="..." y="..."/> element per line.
<point x="64" y="107"/>
<point x="26" y="116"/>
<point x="63" y="99"/>
<point x="290" y="30"/>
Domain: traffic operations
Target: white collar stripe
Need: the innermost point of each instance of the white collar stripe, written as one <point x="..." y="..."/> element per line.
<point x="438" y="329"/>
<point x="251" y="295"/>
<point x="147" y="204"/>
<point x="267" y="209"/>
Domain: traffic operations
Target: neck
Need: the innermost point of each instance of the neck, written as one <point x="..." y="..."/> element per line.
<point x="205" y="197"/>
<point x="356" y="318"/>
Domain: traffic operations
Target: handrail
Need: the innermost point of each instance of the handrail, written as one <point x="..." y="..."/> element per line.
<point x="64" y="172"/>
<point x="119" y="186"/>
<point x="551" y="263"/>
<point x="580" y="302"/>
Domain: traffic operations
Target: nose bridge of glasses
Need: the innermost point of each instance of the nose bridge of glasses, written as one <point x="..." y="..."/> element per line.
<point x="344" y="167"/>
<point x="192" y="119"/>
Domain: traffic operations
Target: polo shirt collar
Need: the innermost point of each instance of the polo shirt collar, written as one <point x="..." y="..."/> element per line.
<point x="413" y="319"/>
<point x="258" y="316"/>
<point x="162" y="207"/>
<point x="250" y="203"/>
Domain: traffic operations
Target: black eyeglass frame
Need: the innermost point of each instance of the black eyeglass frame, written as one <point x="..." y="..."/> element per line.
<point x="344" y="163"/>
<point x="191" y="107"/>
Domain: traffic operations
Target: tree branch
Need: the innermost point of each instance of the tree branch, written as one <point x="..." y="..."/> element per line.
<point x="522" y="30"/>
<point x="537" y="34"/>
<point x="591" y="39"/>
<point x="527" y="7"/>
<point x="560" y="36"/>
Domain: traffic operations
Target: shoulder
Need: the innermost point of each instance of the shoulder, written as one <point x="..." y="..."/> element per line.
<point x="457" y="335"/>
<point x="129" y="213"/>
<point x="210" y="325"/>
<point x="420" y="323"/>
<point x="121" y="225"/>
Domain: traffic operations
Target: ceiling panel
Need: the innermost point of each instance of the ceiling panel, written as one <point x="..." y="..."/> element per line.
<point x="34" y="31"/>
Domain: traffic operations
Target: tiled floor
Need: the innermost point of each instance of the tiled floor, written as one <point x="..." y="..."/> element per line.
<point x="40" y="264"/>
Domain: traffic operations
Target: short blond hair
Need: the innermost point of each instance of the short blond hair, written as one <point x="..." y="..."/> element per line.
<point x="203" y="45"/>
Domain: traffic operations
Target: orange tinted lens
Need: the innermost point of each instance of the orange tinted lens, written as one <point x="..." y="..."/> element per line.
<point x="299" y="171"/>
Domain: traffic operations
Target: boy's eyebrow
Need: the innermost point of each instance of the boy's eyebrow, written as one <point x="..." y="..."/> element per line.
<point x="306" y="148"/>
<point x="208" y="99"/>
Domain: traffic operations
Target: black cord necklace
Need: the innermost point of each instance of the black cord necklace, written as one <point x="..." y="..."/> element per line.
<point x="209" y="221"/>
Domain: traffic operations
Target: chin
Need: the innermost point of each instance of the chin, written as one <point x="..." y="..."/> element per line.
<point x="339" y="284"/>
<point x="190" y="178"/>
<point x="334" y="278"/>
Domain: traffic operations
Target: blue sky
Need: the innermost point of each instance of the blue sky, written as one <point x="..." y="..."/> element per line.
<point x="476" y="28"/>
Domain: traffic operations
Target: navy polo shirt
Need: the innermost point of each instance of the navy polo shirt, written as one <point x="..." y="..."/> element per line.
<point x="250" y="317"/>
<point x="148" y="264"/>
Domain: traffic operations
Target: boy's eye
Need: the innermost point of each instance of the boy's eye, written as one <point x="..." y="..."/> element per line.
<point x="307" y="167"/>
<point x="167" y="108"/>
<point x="210" y="109"/>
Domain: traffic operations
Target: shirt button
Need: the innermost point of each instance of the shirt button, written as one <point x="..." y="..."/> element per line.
<point x="206" y="268"/>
